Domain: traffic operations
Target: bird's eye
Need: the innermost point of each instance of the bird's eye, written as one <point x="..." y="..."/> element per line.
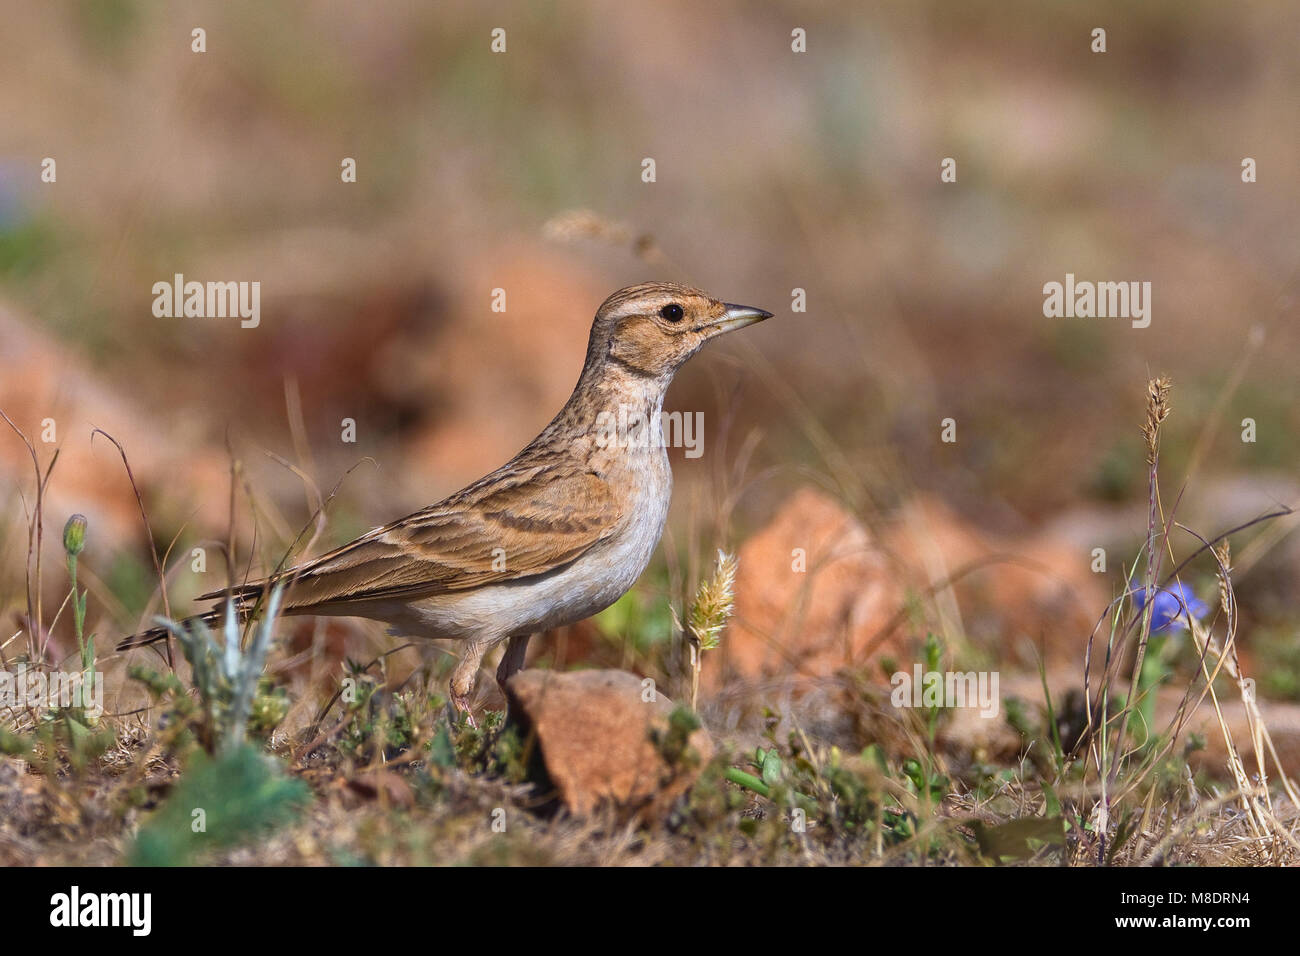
<point x="673" y="312"/>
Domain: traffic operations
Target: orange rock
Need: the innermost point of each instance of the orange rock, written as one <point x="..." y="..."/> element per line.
<point x="593" y="729"/>
<point x="1012" y="594"/>
<point x="812" y="591"/>
<point x="45" y="381"/>
<point x="501" y="375"/>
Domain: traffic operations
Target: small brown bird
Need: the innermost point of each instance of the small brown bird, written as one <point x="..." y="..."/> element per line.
<point x="555" y="535"/>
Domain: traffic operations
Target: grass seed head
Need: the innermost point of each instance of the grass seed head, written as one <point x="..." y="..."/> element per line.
<point x="1157" y="411"/>
<point x="714" y="602"/>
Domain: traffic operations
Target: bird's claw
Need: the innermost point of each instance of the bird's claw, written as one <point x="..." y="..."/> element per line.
<point x="462" y="707"/>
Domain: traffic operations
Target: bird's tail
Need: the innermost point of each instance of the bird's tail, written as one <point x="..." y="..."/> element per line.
<point x="212" y="619"/>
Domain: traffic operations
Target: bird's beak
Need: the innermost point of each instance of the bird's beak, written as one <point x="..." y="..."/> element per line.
<point x="737" y="317"/>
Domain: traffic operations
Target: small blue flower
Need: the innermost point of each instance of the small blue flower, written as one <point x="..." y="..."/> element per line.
<point x="1172" y="606"/>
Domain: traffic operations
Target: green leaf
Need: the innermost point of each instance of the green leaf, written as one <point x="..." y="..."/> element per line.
<point x="442" y="753"/>
<point x="219" y="803"/>
<point x="1018" y="839"/>
<point x="1052" y="801"/>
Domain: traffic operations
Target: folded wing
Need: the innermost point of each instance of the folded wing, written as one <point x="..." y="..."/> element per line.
<point x="510" y="525"/>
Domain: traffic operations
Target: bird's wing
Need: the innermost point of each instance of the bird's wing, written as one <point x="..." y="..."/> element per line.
<point x="516" y="523"/>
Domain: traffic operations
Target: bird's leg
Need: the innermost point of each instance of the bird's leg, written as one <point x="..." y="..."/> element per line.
<point x="465" y="676"/>
<point x="512" y="661"/>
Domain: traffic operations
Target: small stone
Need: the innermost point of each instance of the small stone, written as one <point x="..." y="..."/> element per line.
<point x="596" y="731"/>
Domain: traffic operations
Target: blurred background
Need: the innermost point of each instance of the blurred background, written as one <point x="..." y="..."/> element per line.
<point x="775" y="171"/>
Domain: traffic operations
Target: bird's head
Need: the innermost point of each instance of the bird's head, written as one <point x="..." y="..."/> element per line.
<point x="651" y="329"/>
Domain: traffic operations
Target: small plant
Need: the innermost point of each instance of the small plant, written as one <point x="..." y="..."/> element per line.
<point x="70" y="727"/>
<point x="220" y="802"/>
<point x="1134" y="760"/>
<point x="227" y="678"/>
<point x="76" y="725"/>
<point x="710" y="612"/>
<point x="380" y="723"/>
<point x="230" y="791"/>
<point x="851" y="798"/>
<point x="74" y="542"/>
<point x="1172" y="609"/>
<point x="674" y="743"/>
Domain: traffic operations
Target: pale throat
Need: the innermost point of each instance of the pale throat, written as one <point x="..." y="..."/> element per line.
<point x="622" y="411"/>
<point x="614" y="385"/>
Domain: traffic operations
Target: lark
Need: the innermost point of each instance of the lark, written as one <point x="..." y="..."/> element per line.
<point x="553" y="536"/>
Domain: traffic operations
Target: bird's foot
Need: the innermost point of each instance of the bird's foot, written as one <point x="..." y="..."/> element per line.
<point x="460" y="705"/>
